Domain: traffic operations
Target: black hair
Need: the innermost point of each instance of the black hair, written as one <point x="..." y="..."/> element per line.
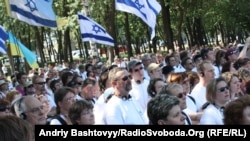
<point x="204" y="52"/>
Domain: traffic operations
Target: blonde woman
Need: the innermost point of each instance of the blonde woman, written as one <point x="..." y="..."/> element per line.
<point x="234" y="83"/>
<point x="217" y="95"/>
<point x="244" y="76"/>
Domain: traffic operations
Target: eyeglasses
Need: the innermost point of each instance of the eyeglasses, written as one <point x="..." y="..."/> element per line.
<point x="180" y="95"/>
<point x="222" y="89"/>
<point x="125" y="78"/>
<point x="35" y="110"/>
<point x="136" y="70"/>
<point x="4" y="108"/>
<point x="40" y="83"/>
<point x="87" y="112"/>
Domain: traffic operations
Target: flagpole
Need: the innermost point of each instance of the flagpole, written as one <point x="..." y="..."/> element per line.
<point x="94" y="51"/>
<point x="10" y="59"/>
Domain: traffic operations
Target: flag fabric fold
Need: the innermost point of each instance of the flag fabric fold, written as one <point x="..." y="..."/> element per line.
<point x="33" y="12"/>
<point x="17" y="48"/>
<point x="147" y="10"/>
<point x="92" y="31"/>
<point x="3" y="37"/>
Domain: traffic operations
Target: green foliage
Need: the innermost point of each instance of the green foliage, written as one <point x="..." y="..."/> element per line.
<point x="232" y="16"/>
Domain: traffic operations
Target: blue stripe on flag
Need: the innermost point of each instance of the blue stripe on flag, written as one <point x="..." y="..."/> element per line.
<point x="152" y="8"/>
<point x="87" y="35"/>
<point x="3" y="34"/>
<point x="132" y="4"/>
<point x="3" y="37"/>
<point x="3" y="48"/>
<point x="92" y="31"/>
<point x="147" y="10"/>
<point x="46" y="22"/>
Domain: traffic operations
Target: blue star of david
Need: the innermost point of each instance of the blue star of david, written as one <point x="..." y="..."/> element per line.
<point x="96" y="28"/>
<point x="31" y="4"/>
<point x="139" y="6"/>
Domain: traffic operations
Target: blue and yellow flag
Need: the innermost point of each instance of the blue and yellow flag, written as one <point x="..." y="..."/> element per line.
<point x="17" y="48"/>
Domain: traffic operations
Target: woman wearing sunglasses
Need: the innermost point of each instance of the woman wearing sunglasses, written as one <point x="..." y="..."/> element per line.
<point x="182" y="79"/>
<point x="217" y="95"/>
<point x="4" y="107"/>
<point x="176" y="90"/>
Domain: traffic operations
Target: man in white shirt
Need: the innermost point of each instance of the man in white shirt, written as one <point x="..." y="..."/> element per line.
<point x="121" y="108"/>
<point x="139" y="83"/>
<point x="208" y="55"/>
<point x="206" y="73"/>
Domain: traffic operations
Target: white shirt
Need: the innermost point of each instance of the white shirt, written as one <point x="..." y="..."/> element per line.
<point x="199" y="95"/>
<point x="216" y="71"/>
<point x="140" y="93"/>
<point x="179" y="68"/>
<point x="56" y="121"/>
<point x="99" y="110"/>
<point x="100" y="106"/>
<point x="123" y="112"/>
<point x="191" y="105"/>
<point x="146" y="76"/>
<point x="212" y="115"/>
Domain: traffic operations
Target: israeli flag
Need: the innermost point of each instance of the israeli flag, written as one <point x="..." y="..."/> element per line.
<point x="3" y="37"/>
<point x="147" y="10"/>
<point x="33" y="12"/>
<point x="92" y="31"/>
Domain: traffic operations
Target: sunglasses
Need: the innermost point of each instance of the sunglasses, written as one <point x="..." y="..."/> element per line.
<point x="233" y="52"/>
<point x="125" y="78"/>
<point x="40" y="83"/>
<point x="79" y="83"/>
<point x="30" y="86"/>
<point x="4" y="108"/>
<point x="136" y="70"/>
<point x="222" y="89"/>
<point x="180" y="95"/>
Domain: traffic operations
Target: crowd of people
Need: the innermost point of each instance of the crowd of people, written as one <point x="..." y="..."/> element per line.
<point x="202" y="86"/>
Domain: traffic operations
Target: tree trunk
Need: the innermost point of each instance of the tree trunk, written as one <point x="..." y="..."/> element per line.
<point x="127" y="34"/>
<point x="167" y="25"/>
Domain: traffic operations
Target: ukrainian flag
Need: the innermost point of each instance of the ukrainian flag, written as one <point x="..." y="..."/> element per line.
<point x="17" y="48"/>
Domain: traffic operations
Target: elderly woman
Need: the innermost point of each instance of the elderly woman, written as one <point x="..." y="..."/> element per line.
<point x="165" y="110"/>
<point x="182" y="79"/>
<point x="217" y="95"/>
<point x="4" y="107"/>
<point x="177" y="90"/>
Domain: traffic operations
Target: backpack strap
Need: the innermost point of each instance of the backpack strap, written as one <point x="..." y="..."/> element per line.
<point x="192" y="99"/>
<point x="58" y="117"/>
